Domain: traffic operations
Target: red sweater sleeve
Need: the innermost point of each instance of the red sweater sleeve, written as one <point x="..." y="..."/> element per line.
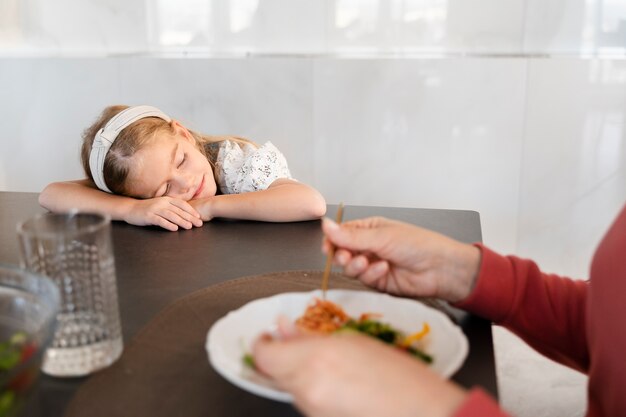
<point x="479" y="404"/>
<point x="545" y="310"/>
<point x="572" y="322"/>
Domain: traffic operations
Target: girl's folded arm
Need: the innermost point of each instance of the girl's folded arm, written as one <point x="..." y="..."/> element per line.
<point x="167" y="212"/>
<point x="83" y="195"/>
<point x="284" y="200"/>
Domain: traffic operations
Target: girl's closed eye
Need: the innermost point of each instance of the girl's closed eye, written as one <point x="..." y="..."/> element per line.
<point x="180" y="164"/>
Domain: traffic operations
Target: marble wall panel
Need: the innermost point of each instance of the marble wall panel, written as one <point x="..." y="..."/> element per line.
<point x="400" y="26"/>
<point x="565" y="27"/>
<point x="423" y="133"/>
<point x="84" y="28"/>
<point x="574" y="160"/>
<point x="49" y="102"/>
<point x="268" y="26"/>
<point x="45" y="105"/>
<point x="371" y="27"/>
<point x="262" y="99"/>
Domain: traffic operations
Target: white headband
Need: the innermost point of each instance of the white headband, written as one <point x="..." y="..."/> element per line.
<point x="107" y="135"/>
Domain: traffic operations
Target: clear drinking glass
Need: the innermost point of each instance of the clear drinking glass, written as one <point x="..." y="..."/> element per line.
<point x="75" y="250"/>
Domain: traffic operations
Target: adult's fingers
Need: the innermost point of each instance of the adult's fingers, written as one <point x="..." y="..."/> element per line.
<point x="356" y="265"/>
<point x="280" y="359"/>
<point x="353" y="236"/>
<point x="342" y="257"/>
<point x="286" y="327"/>
<point x="374" y="273"/>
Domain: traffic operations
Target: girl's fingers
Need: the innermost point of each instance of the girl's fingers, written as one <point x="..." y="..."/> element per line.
<point x="186" y="211"/>
<point x="164" y="223"/>
<point x="175" y="218"/>
<point x="185" y="206"/>
<point x="186" y="216"/>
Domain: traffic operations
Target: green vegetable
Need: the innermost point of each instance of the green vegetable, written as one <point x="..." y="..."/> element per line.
<point x="385" y="333"/>
<point x="7" y="400"/>
<point x="11" y="351"/>
<point x="420" y="355"/>
<point x="248" y="360"/>
<point x="381" y="331"/>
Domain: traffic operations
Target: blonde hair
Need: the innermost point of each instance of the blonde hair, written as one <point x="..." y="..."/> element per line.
<point x="118" y="161"/>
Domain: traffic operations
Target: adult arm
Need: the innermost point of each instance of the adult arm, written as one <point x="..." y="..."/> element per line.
<point x="284" y="200"/>
<point x="546" y="310"/>
<point x="166" y="212"/>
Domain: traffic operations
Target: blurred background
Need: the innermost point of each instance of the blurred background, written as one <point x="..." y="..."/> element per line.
<point x="512" y="108"/>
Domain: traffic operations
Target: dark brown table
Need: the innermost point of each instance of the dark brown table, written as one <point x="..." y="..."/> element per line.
<point x="156" y="267"/>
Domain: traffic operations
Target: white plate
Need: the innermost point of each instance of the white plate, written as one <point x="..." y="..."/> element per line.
<point x="232" y="335"/>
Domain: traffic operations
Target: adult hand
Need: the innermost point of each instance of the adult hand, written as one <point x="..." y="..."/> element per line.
<point x="347" y="375"/>
<point x="403" y="259"/>
<point x="167" y="212"/>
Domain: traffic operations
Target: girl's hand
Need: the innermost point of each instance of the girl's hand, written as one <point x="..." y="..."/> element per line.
<point x="403" y="259"/>
<point x="166" y="212"/>
<point x="354" y="375"/>
<point x="204" y="207"/>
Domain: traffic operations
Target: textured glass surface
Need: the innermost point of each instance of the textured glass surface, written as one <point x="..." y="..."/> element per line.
<point x="75" y="251"/>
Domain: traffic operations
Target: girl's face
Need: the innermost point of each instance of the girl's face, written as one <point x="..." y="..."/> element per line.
<point x="171" y="165"/>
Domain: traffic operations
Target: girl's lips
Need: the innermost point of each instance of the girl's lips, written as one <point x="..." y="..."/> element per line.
<point x="199" y="190"/>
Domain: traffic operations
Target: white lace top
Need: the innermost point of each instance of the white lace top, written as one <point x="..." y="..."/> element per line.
<point x="241" y="168"/>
